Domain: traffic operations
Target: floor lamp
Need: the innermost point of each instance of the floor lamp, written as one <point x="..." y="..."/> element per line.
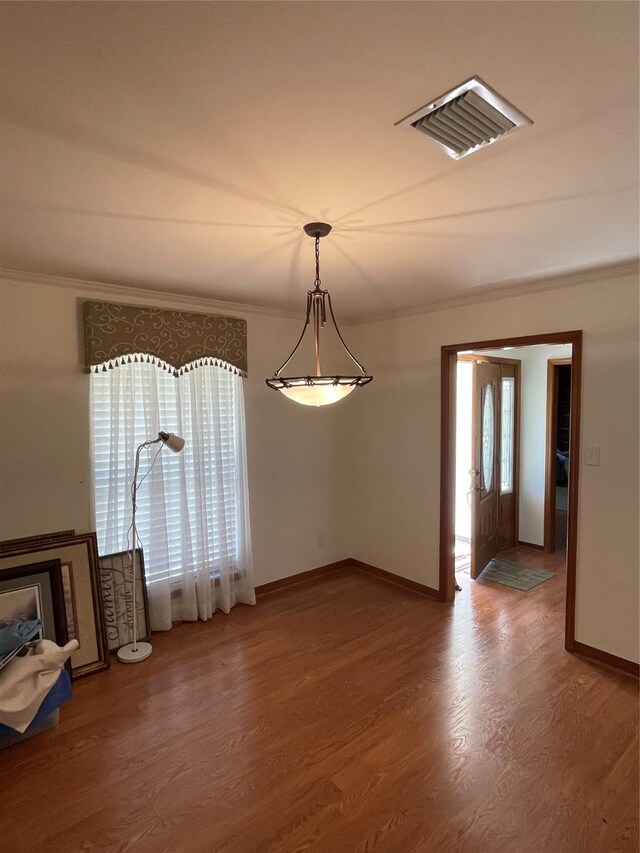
<point x="135" y="651"/>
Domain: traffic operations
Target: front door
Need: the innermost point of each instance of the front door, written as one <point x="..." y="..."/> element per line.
<point x="485" y="488"/>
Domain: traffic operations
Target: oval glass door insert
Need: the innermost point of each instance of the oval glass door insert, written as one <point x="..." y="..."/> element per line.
<point x="488" y="437"/>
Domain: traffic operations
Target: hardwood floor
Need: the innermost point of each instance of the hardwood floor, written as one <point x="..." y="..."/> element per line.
<point x="560" y="530"/>
<point x="344" y="715"/>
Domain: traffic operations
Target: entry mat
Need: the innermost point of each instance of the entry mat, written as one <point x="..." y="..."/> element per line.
<point x="514" y="574"/>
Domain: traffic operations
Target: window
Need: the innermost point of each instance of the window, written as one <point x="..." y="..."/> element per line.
<point x="488" y="438"/>
<point x="506" y="441"/>
<point x="192" y="513"/>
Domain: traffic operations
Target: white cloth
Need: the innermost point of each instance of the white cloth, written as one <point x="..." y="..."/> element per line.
<point x="193" y="508"/>
<point x="26" y="680"/>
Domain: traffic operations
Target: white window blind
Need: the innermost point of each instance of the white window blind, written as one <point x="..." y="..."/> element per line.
<point x="192" y="512"/>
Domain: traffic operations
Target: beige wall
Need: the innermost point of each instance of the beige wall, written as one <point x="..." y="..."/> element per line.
<point x="366" y="472"/>
<point x="44" y="418"/>
<point x="390" y="453"/>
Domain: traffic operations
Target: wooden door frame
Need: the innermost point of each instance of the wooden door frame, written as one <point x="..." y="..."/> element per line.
<point x="449" y="358"/>
<point x="550" y="450"/>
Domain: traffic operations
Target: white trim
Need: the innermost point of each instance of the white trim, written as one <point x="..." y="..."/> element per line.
<point x="99" y="288"/>
<point x="506" y="290"/>
<point x="483" y="293"/>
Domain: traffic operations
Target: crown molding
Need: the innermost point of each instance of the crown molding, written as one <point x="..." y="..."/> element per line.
<point x="101" y="288"/>
<point x="485" y="293"/>
<point x="514" y="287"/>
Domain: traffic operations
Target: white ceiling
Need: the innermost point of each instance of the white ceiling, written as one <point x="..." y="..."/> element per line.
<point x="181" y="146"/>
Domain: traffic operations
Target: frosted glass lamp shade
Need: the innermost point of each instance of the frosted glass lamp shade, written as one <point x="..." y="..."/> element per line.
<point x="317" y="395"/>
<point x="317" y="390"/>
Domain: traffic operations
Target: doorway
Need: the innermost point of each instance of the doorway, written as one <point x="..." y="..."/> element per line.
<point x="499" y="517"/>
<point x="558" y="453"/>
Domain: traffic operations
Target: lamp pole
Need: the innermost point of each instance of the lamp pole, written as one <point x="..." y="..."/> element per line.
<point x="134" y="651"/>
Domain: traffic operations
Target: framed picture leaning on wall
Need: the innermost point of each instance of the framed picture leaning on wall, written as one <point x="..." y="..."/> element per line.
<point x="81" y="592"/>
<point x="31" y="605"/>
<point x="117" y="599"/>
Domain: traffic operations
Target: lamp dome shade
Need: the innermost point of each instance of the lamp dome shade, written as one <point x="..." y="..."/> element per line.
<point x="172" y="441"/>
<point x="317" y="394"/>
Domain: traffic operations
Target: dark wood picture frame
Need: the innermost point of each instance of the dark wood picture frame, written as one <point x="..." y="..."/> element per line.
<point x="81" y="552"/>
<point x="53" y="569"/>
<point x="40" y="537"/>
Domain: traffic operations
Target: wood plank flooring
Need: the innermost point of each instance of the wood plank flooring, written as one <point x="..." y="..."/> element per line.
<point x="344" y="715"/>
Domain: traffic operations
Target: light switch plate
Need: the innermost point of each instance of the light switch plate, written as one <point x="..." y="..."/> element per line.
<point x="592" y="456"/>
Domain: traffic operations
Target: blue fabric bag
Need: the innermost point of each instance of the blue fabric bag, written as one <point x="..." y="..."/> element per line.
<point x="59" y="694"/>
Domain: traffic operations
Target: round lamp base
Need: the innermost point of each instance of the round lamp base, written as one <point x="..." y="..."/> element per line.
<point x="127" y="654"/>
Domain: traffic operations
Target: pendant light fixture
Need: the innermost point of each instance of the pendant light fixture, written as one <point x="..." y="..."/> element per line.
<point x="320" y="389"/>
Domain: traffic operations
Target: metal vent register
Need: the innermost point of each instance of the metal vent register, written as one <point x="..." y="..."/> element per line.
<point x="467" y="118"/>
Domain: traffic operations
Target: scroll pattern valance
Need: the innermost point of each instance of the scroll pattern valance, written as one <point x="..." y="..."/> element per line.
<point x="178" y="338"/>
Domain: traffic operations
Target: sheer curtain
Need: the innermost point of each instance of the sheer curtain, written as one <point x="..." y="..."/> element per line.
<point x="193" y="507"/>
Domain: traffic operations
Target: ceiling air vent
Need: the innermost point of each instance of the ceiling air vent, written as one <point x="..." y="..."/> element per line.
<point x="467" y="118"/>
